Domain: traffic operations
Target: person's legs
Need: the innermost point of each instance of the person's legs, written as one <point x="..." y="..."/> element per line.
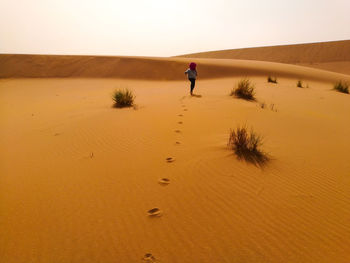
<point x="193" y="82"/>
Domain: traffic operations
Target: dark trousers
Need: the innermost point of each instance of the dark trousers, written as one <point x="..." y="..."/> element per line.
<point x="193" y="82"/>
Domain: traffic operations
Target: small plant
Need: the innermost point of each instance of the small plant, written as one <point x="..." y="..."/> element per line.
<point x="271" y="79"/>
<point x="263" y="105"/>
<point x="341" y="87"/>
<point x="244" y="90"/>
<point x="300" y="84"/>
<point x="123" y="98"/>
<point x="246" y="145"/>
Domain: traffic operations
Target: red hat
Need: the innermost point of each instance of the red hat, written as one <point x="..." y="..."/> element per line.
<point x="193" y="66"/>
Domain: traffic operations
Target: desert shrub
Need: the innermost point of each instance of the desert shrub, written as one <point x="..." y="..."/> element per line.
<point x="341" y="87"/>
<point x="272" y="79"/>
<point x="247" y="145"/>
<point x="123" y="98"/>
<point x="244" y="90"/>
<point x="299" y="84"/>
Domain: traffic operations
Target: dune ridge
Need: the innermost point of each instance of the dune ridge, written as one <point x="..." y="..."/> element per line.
<point x="56" y="66"/>
<point x="297" y="53"/>
<point x="332" y="55"/>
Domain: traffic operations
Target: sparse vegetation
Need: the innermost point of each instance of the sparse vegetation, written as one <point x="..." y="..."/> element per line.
<point x="300" y="84"/>
<point x="272" y="79"/>
<point x="123" y="98"/>
<point x="244" y="90"/>
<point x="341" y="87"/>
<point x="247" y="145"/>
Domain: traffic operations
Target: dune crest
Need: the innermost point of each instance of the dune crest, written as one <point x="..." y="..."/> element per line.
<point x="333" y="55"/>
<point x="147" y="68"/>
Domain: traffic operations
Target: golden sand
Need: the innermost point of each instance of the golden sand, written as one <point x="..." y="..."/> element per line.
<point x="79" y="177"/>
<point x="332" y="56"/>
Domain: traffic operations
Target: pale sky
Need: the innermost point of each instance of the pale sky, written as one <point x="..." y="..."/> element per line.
<point x="165" y="27"/>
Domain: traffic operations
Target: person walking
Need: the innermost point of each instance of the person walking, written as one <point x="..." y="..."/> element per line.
<point x="192" y="75"/>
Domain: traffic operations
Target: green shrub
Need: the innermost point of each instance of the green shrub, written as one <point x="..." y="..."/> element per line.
<point x="244" y="90"/>
<point x="341" y="87"/>
<point x="123" y="98"/>
<point x="247" y="145"/>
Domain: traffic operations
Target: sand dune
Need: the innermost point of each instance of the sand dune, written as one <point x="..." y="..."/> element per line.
<point x="40" y="66"/>
<point x="342" y="67"/>
<point x="333" y="56"/>
<point x="78" y="177"/>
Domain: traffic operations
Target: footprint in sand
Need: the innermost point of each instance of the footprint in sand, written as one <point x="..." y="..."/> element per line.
<point x="177" y="131"/>
<point x="170" y="159"/>
<point x="164" y="181"/>
<point x="180" y="122"/>
<point x="154" y="212"/>
<point x="180" y="115"/>
<point x="148" y="257"/>
<point x="177" y="143"/>
<point x="185" y="109"/>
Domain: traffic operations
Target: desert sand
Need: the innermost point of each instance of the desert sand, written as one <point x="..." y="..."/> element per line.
<point x="77" y="176"/>
<point x="332" y="55"/>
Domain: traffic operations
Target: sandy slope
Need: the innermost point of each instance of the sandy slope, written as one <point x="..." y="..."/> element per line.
<point x="338" y="66"/>
<point x="77" y="176"/>
<point x="333" y="56"/>
<point x="147" y="68"/>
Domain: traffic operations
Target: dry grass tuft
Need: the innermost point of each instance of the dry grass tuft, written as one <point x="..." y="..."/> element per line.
<point x="341" y="87"/>
<point x="300" y="84"/>
<point x="244" y="90"/>
<point x="123" y="98"/>
<point x="247" y="146"/>
<point x="272" y="79"/>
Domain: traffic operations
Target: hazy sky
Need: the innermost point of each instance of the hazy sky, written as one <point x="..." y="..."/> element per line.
<point x="166" y="27"/>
